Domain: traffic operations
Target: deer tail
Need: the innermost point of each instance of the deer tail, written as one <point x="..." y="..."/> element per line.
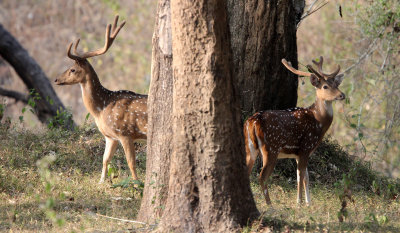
<point x="251" y="138"/>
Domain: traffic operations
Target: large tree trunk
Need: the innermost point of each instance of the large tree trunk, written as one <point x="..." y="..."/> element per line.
<point x="160" y="98"/>
<point x="33" y="77"/>
<point x="262" y="33"/>
<point x="208" y="189"/>
<point x="159" y="127"/>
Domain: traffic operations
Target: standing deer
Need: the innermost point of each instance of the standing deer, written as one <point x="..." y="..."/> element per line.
<point x="293" y="133"/>
<point x="119" y="115"/>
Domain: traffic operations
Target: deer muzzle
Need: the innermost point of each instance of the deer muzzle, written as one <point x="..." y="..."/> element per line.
<point x="342" y="96"/>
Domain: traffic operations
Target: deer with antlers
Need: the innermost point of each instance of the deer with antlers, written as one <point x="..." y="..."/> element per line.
<point x="119" y="115"/>
<point x="293" y="133"/>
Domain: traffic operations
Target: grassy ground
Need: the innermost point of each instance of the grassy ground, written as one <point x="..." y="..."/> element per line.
<point x="48" y="183"/>
<point x="30" y="195"/>
<point x="369" y="212"/>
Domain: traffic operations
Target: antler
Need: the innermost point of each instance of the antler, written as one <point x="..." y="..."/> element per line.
<point x="108" y="42"/>
<point x="319" y="65"/>
<point x="289" y="66"/>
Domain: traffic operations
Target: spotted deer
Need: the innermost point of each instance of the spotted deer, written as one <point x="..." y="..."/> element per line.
<point x="119" y="115"/>
<point x="293" y="133"/>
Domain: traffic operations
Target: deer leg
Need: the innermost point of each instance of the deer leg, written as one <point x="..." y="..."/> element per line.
<point x="111" y="146"/>
<point x="249" y="163"/>
<point x="306" y="188"/>
<point x="269" y="162"/>
<point x="301" y="172"/>
<point x="129" y="148"/>
<point x="251" y="156"/>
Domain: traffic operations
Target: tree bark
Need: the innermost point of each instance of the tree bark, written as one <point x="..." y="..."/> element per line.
<point x="208" y="188"/>
<point x="15" y="95"/>
<point x="159" y="128"/>
<point x="247" y="36"/>
<point x="32" y="75"/>
<point x="262" y="33"/>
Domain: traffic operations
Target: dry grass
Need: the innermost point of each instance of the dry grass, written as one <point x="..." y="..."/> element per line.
<point x="367" y="213"/>
<point x="74" y="183"/>
<point x="79" y="200"/>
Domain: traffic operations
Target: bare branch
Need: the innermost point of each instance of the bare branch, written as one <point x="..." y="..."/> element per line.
<point x="33" y="77"/>
<point x="370" y="49"/>
<point x="310" y="11"/>
<point x="18" y="96"/>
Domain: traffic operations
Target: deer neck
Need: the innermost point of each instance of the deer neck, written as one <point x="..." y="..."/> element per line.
<point x="323" y="113"/>
<point x="94" y="95"/>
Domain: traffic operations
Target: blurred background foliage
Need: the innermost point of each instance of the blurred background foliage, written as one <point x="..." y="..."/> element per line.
<point x="361" y="36"/>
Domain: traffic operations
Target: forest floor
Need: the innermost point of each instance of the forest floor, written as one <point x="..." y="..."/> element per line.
<point x="49" y="183"/>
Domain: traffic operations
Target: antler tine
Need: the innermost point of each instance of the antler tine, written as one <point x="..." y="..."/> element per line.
<point x="116" y="31"/>
<point x="289" y="66"/>
<point x="115" y="22"/>
<point x="72" y="56"/>
<point x="316" y="73"/>
<point x="319" y="65"/>
<point x="109" y="39"/>
<point x="332" y="75"/>
<point x="76" y="46"/>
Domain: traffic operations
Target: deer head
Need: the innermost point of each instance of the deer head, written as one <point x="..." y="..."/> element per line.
<point x="327" y="85"/>
<point x="81" y="68"/>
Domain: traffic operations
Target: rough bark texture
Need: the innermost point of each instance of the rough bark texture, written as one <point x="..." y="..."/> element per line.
<point x="15" y="95"/>
<point x="209" y="188"/>
<point x="159" y="128"/>
<point x="262" y="33"/>
<point x="31" y="74"/>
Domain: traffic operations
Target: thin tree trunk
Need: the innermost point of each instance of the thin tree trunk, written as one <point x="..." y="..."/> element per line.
<point x="208" y="188"/>
<point x="32" y="75"/>
<point x="262" y="33"/>
<point x="159" y="128"/>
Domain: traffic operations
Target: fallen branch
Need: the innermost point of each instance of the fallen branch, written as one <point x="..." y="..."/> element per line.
<point x="48" y="105"/>
<point x="18" y="96"/>
<point x="122" y="220"/>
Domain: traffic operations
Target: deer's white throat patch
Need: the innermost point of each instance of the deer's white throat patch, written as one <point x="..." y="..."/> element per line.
<point x="328" y="108"/>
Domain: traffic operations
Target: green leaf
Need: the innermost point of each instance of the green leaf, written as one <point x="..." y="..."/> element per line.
<point x="123" y="183"/>
<point x="383" y="220"/>
<point x="48" y="187"/>
<point x="60" y="222"/>
<point x="111" y="171"/>
<point x="371" y="81"/>
<point x="50" y="203"/>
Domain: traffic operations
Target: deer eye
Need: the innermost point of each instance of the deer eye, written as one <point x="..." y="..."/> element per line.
<point x="72" y="70"/>
<point x="325" y="87"/>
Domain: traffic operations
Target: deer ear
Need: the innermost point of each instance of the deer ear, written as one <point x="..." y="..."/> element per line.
<point x="339" y="79"/>
<point x="314" y="80"/>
